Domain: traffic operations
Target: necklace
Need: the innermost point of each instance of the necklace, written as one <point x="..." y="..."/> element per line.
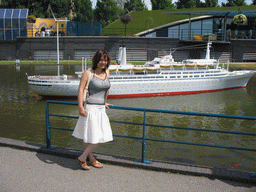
<point x="99" y="74"/>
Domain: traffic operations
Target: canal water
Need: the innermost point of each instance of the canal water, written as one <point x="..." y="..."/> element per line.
<point x="22" y="117"/>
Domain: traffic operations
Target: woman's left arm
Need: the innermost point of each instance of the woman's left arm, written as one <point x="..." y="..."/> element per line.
<point x="106" y="97"/>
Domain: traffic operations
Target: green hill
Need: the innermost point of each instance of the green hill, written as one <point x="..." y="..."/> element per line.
<point x="144" y="20"/>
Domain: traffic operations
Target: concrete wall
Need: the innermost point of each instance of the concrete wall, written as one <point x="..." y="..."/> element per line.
<point x="241" y="46"/>
<point x="27" y="46"/>
<point x="8" y="50"/>
<point x="24" y="48"/>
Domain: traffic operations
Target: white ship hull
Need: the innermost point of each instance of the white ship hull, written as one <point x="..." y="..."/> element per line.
<point x="162" y="76"/>
<point x="147" y="85"/>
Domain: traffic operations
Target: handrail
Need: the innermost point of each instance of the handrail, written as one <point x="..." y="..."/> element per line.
<point x="144" y="125"/>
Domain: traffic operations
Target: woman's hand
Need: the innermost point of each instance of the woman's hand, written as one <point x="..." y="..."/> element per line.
<point x="82" y="112"/>
<point x="107" y="105"/>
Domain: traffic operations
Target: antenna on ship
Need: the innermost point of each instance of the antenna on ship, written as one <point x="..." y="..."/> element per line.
<point x="58" y="46"/>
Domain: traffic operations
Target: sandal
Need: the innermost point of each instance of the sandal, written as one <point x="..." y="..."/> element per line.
<point x="96" y="164"/>
<point x="83" y="164"/>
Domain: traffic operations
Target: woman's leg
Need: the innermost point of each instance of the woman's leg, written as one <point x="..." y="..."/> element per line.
<point x="89" y="147"/>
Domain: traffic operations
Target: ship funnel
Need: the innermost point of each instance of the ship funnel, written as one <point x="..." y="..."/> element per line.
<point x="123" y="60"/>
<point x="119" y="58"/>
<point x="207" y="56"/>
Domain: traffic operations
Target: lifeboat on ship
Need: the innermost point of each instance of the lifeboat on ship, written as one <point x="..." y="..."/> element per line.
<point x="112" y="68"/>
<point x="138" y="69"/>
<point x="201" y="65"/>
<point x="190" y="65"/>
<point x="177" y="65"/>
<point x="124" y="69"/>
<point x="165" y="65"/>
<point x="152" y="69"/>
<point x="211" y="66"/>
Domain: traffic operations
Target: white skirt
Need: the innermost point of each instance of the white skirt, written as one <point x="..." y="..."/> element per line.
<point x="95" y="127"/>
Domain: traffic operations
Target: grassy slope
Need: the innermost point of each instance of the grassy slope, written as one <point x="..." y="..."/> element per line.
<point x="139" y="22"/>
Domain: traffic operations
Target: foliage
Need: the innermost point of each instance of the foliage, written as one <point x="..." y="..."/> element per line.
<point x="134" y="5"/>
<point x="60" y="7"/>
<point x="232" y="3"/>
<point x="106" y="12"/>
<point x="120" y="3"/>
<point x="140" y="6"/>
<point x="83" y="10"/>
<point x="211" y="3"/>
<point x="161" y="4"/>
<point x="186" y="4"/>
<point x="40" y="9"/>
<point x="239" y="19"/>
<point x="125" y="19"/>
<point x="200" y="4"/>
<point x="31" y="19"/>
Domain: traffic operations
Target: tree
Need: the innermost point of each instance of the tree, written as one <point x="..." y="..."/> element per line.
<point x="161" y="4"/>
<point x="254" y="2"/>
<point x="211" y="3"/>
<point x="200" y="4"/>
<point x="232" y="3"/>
<point x="83" y="10"/>
<point x="120" y="3"/>
<point x="240" y="2"/>
<point x="125" y="19"/>
<point x="186" y="4"/>
<point x="60" y="7"/>
<point x="134" y="5"/>
<point x="105" y="12"/>
<point x="140" y="6"/>
<point x="40" y="8"/>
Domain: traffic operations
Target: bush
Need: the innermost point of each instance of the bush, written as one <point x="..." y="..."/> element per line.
<point x="239" y="19"/>
<point x="31" y="19"/>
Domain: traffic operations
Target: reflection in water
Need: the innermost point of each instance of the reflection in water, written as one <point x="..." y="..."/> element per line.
<point x="24" y="118"/>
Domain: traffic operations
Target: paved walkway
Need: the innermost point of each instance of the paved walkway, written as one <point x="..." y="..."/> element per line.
<point x="22" y="169"/>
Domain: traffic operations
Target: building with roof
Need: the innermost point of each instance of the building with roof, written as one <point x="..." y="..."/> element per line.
<point x="215" y="22"/>
<point x="13" y="23"/>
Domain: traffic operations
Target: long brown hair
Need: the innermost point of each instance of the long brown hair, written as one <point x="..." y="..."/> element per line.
<point x="97" y="56"/>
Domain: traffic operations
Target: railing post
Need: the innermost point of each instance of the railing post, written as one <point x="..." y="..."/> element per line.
<point x="48" y="134"/>
<point x="143" y="139"/>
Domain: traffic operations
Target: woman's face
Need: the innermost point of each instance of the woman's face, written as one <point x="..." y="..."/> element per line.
<point x="102" y="62"/>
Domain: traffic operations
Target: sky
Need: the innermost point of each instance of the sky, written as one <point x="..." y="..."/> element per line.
<point x="148" y="3"/>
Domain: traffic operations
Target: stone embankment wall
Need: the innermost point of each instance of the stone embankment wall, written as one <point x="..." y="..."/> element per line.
<point x="149" y="48"/>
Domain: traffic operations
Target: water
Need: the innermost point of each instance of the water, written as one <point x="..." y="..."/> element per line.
<point x="22" y="117"/>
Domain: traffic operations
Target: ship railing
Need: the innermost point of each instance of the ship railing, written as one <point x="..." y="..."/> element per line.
<point x="152" y="70"/>
<point x="166" y="75"/>
<point x="144" y="124"/>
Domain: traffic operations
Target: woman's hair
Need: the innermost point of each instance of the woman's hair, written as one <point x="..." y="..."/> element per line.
<point x="97" y="56"/>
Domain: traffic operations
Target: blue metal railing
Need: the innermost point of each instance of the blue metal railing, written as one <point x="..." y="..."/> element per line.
<point x="144" y="124"/>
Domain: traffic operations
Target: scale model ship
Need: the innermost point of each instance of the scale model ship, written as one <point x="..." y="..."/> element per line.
<point x="162" y="76"/>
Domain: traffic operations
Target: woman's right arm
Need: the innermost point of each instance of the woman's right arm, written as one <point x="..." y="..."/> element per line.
<point x="80" y="95"/>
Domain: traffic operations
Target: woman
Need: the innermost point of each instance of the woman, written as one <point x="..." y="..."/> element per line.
<point x="93" y="124"/>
